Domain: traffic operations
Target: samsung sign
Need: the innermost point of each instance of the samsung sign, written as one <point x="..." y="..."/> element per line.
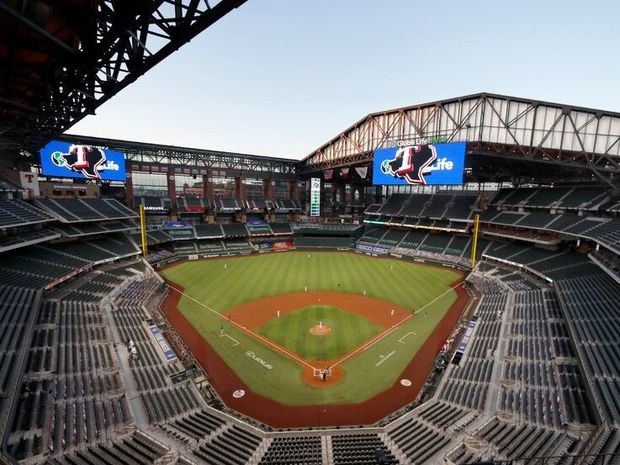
<point x="66" y="160"/>
<point x="431" y="164"/>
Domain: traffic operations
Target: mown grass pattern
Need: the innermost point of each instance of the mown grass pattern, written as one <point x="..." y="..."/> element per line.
<point x="293" y="332"/>
<point x="404" y="283"/>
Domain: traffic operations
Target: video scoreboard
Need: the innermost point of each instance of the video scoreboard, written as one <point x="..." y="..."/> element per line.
<point x="315" y="197"/>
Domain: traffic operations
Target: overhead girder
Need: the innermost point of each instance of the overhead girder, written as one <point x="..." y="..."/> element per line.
<point x="61" y="60"/>
<point x="138" y="153"/>
<point x="491" y="124"/>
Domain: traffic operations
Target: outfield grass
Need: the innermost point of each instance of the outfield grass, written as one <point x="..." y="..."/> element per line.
<point x="218" y="289"/>
<point x="293" y="332"/>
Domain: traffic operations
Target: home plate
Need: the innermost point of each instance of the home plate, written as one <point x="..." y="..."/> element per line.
<point x="405" y="382"/>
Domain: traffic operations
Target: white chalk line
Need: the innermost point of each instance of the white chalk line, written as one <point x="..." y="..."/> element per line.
<point x="231" y="338"/>
<point x="383" y="335"/>
<point x="406" y="335"/>
<point x="384" y="358"/>
<point x="242" y="328"/>
<point x="291" y="355"/>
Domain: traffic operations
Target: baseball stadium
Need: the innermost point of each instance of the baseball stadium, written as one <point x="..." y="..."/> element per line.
<point x="436" y="284"/>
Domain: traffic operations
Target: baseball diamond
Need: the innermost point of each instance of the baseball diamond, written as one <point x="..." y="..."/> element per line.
<point x="244" y="296"/>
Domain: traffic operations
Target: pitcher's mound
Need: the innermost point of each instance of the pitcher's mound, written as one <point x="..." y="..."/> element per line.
<point x="320" y="330"/>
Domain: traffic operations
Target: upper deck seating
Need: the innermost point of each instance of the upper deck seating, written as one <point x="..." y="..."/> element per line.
<point x="281" y="228"/>
<point x="15" y="212"/>
<point x="209" y="231"/>
<point x="235" y="230"/>
<point x="79" y="210"/>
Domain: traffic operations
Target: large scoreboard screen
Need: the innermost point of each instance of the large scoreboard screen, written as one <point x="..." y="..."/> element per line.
<point x="65" y="160"/>
<point x="315" y="197"/>
<point x="430" y="164"/>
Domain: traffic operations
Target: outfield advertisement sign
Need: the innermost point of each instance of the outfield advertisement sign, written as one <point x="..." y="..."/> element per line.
<point x="65" y="160"/>
<point x="371" y="249"/>
<point x="415" y="165"/>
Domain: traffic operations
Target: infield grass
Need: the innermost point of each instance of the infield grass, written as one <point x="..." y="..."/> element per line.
<point x="407" y="284"/>
<point x="293" y="332"/>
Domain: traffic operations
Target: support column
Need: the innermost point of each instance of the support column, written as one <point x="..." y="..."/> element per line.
<point x="207" y="188"/>
<point x="378" y="194"/>
<point x="338" y="188"/>
<point x="239" y="194"/>
<point x="293" y="192"/>
<point x="172" y="192"/>
<point x="268" y="190"/>
<point x="207" y="193"/>
<point x="129" y="200"/>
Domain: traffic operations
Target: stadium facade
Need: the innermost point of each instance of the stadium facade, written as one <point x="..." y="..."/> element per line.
<point x="508" y="140"/>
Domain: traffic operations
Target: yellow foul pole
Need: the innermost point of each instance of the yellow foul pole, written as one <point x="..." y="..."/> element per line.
<point x="475" y="246"/>
<point x="143" y="230"/>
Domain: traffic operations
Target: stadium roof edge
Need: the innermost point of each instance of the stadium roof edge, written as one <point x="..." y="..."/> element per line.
<point x="458" y="99"/>
<point x="124" y="144"/>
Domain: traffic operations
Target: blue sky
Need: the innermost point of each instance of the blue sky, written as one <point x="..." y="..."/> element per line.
<point x="280" y="77"/>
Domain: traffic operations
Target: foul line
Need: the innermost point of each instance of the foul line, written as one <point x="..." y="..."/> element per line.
<point x="372" y="341"/>
<point x="384" y="334"/>
<point x="261" y="338"/>
<point x="460" y="283"/>
<point x="293" y="356"/>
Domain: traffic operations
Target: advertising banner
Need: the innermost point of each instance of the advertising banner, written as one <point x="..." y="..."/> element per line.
<point x="163" y="344"/>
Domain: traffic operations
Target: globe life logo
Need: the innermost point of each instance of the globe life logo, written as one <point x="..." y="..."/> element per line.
<point x="442" y="164"/>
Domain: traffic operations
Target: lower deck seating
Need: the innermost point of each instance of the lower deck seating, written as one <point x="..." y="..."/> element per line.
<point x="18" y="311"/>
<point x="295" y="450"/>
<point x="462" y="455"/>
<point x="418" y="440"/>
<point x="593" y="314"/>
<point x="353" y="449"/>
<point x="233" y="446"/>
<point x="467" y="383"/>
<point x="523" y="440"/>
<point x="238" y="245"/>
<point x="197" y="425"/>
<point x="73" y="393"/>
<point x="134" y="449"/>
<point x="434" y="245"/>
<point x="161" y="397"/>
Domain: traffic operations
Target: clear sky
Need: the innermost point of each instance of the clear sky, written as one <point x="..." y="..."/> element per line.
<point x="281" y="77"/>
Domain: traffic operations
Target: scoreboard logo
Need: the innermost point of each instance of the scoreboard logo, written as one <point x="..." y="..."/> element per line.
<point x="415" y="165"/>
<point x="84" y="159"/>
<point x="411" y="163"/>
